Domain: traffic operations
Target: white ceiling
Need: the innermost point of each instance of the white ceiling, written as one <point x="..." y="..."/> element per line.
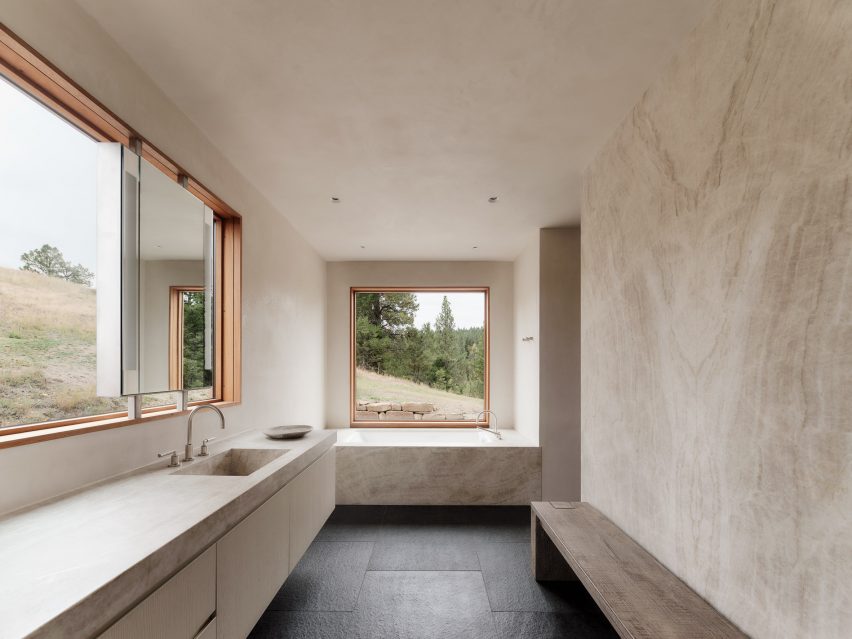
<point x="411" y="112"/>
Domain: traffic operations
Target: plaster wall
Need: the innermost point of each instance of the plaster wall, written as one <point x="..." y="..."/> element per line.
<point x="716" y="306"/>
<point x="559" y="363"/>
<point x="526" y="283"/>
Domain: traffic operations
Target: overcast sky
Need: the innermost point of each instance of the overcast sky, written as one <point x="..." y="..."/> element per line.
<point x="48" y="182"/>
<point x="468" y="308"/>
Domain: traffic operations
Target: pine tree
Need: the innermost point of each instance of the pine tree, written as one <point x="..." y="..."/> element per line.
<point x="382" y="323"/>
<point x="445" y="327"/>
<point x="445" y="369"/>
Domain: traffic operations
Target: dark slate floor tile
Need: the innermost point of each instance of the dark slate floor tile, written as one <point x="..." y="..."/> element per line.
<point x="353" y="523"/>
<point x="289" y="624"/>
<point x="423" y="555"/>
<point x="424" y="524"/>
<point x="500" y="523"/>
<point x="458" y="515"/>
<point x="511" y="587"/>
<point x="423" y="605"/>
<point x="495" y="515"/>
<point x="472" y="526"/>
<point x="553" y="625"/>
<point x="422" y="515"/>
<point x="327" y="578"/>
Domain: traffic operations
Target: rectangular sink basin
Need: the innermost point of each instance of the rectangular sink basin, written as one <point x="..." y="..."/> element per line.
<point x="234" y="462"/>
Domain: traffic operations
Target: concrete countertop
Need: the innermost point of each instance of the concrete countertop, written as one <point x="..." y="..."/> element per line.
<point x="72" y="566"/>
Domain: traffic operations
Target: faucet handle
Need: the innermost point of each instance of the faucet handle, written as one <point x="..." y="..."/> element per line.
<point x="204" y="452"/>
<point x="174" y="461"/>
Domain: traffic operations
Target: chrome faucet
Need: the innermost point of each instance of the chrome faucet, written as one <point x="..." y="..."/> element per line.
<point x="187" y="455"/>
<point x="493" y="431"/>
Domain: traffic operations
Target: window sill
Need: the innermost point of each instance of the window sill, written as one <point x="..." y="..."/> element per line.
<point x="415" y="424"/>
<point x="23" y="435"/>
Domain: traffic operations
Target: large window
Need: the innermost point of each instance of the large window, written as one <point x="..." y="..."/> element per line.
<point x="419" y="356"/>
<point x="48" y="190"/>
<point x="49" y="135"/>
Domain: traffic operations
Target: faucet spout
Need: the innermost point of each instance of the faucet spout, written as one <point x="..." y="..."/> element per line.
<point x="493" y="431"/>
<point x="187" y="455"/>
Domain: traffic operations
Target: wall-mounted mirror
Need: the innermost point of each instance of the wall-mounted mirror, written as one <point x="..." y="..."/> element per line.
<point x="162" y="311"/>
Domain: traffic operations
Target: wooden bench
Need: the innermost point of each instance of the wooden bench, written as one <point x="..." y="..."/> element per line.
<point x="640" y="597"/>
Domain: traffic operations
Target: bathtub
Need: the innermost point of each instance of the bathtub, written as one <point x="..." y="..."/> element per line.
<point x="427" y="437"/>
<point x="436" y="466"/>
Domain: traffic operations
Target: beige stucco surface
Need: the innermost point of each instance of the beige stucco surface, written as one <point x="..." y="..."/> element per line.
<point x="717" y="318"/>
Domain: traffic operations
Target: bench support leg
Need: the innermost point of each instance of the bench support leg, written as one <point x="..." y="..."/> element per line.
<point x="548" y="564"/>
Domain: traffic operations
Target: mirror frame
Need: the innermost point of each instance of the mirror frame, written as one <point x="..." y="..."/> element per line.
<point x="119" y="307"/>
<point x="33" y="73"/>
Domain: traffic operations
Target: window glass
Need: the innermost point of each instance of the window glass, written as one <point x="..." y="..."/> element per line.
<point x="419" y="356"/>
<point x="154" y="400"/>
<point x="48" y="182"/>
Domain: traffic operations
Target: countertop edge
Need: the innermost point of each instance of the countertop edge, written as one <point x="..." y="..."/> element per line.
<point x="112" y="601"/>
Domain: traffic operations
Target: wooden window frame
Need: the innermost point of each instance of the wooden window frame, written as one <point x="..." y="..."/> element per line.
<point x="28" y="70"/>
<point x="176" y="333"/>
<point x="354" y="290"/>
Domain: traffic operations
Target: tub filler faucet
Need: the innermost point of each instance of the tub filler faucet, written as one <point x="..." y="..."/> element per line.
<point x="493" y="431"/>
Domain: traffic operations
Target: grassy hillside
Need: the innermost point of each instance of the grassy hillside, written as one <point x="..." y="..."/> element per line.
<point x="373" y="387"/>
<point x="47" y="350"/>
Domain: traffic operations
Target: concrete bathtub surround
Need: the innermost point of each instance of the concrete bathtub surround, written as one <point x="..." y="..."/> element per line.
<point x="436" y="467"/>
<point x="716" y="305"/>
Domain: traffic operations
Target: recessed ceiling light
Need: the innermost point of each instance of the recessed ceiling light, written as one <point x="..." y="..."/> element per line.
<point x="476" y="247"/>
<point x="335" y="199"/>
<point x="362" y="246"/>
<point x="492" y="199"/>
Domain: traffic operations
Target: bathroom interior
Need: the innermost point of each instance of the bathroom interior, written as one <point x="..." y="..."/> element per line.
<point x="397" y="319"/>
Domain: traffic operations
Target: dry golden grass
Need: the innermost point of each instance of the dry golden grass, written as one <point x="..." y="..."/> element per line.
<point x="374" y="387"/>
<point x="33" y="302"/>
<point x="47" y="350"/>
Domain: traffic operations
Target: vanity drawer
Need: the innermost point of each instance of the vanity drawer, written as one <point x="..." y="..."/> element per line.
<point x="252" y="564"/>
<point x="178" y="609"/>
<point x="312" y="501"/>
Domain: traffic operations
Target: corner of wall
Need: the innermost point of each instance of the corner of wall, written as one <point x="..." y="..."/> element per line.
<point x="526" y="351"/>
<point x="559" y="363"/>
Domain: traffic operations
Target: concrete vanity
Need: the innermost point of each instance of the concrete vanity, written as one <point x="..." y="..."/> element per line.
<point x="166" y="554"/>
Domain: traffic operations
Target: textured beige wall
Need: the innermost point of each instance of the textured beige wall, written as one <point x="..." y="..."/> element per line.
<point x="526" y="271"/>
<point x="717" y="317"/>
<point x="547" y="368"/>
<point x="559" y="362"/>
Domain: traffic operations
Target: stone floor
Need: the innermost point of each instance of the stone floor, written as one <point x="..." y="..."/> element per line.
<point x="411" y="572"/>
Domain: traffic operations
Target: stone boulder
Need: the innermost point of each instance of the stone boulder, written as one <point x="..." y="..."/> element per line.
<point x="399" y="415"/>
<point x="366" y="416"/>
<point x="418" y="407"/>
<point x="379" y="407"/>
